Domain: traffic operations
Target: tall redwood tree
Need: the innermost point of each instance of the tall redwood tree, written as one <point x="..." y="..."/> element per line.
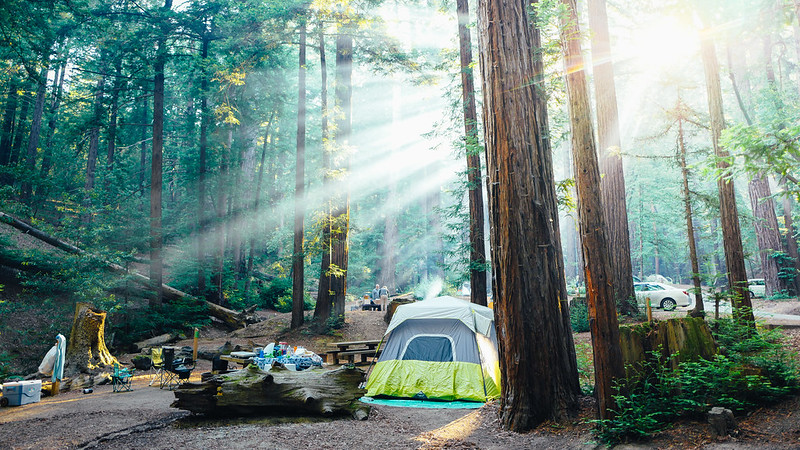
<point x="537" y="354"/>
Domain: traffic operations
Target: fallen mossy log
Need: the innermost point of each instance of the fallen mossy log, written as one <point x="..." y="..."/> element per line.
<point x="252" y="391"/>
<point x="673" y="340"/>
<point x="233" y="319"/>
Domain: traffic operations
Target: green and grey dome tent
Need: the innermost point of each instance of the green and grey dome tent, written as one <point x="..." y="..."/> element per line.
<point x="443" y="348"/>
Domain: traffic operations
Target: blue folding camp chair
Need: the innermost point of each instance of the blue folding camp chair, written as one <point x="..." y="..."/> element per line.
<point x="121" y="378"/>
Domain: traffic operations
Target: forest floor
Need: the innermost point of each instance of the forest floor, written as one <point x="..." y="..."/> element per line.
<point x="144" y="418"/>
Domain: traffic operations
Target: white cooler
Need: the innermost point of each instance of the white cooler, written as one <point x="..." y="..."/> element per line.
<point x="22" y="392"/>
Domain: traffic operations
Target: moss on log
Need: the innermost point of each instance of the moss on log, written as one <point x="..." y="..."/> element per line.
<point x="251" y="391"/>
<point x="675" y="340"/>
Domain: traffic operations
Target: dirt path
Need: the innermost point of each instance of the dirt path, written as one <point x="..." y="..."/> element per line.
<point x="143" y="419"/>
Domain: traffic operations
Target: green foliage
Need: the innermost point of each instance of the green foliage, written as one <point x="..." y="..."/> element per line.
<point x="583" y="353"/>
<point x="579" y="315"/>
<point x="278" y="288"/>
<point x="134" y="324"/>
<point x="333" y="325"/>
<point x="752" y="369"/>
<point x="284" y="303"/>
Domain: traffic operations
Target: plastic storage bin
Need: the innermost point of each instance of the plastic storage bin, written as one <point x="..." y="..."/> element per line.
<point x="22" y="392"/>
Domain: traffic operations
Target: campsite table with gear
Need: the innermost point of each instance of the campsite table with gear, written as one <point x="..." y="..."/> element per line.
<point x="349" y="350"/>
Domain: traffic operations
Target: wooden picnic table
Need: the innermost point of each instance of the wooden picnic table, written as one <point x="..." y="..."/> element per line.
<point x="350" y="349"/>
<point x="243" y="361"/>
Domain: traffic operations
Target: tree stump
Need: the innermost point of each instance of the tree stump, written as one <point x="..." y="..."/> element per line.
<point x="722" y="422"/>
<point x="251" y="391"/>
<point x="689" y="338"/>
<point x="86" y="348"/>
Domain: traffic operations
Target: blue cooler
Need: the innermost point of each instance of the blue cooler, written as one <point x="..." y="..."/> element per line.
<point x="22" y="392"/>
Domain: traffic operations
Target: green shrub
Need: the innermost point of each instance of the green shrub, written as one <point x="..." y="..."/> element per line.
<point x="752" y="369"/>
<point x="279" y="287"/>
<point x="579" y="315"/>
<point x="284" y="303"/>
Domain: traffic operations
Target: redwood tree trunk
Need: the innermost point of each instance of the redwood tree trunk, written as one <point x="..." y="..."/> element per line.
<point x="322" y="311"/>
<point x="537" y="355"/>
<point x="729" y="218"/>
<point x="698" y="310"/>
<point x="112" y="124"/>
<point x="599" y="288"/>
<point x="612" y="183"/>
<point x="47" y="151"/>
<point x="767" y="233"/>
<point x="477" y="255"/>
<point x="12" y="100"/>
<point x="33" y="141"/>
<point x="341" y="216"/>
<point x="298" y="256"/>
<point x="86" y="345"/>
<point x="791" y="244"/>
<point x="19" y="129"/>
<point x="156" y="239"/>
<point x="94" y="145"/>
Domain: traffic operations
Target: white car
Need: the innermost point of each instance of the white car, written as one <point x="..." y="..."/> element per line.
<point x="756" y="287"/>
<point x="661" y="295"/>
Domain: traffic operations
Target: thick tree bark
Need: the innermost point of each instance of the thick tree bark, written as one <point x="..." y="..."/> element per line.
<point x="767" y="233"/>
<point x="674" y="340"/>
<point x="729" y="218"/>
<point x="766" y="221"/>
<point x="86" y="346"/>
<point x="477" y="254"/>
<point x="340" y="225"/>
<point x="298" y="255"/>
<point x="599" y="283"/>
<point x="537" y="356"/>
<point x="279" y="391"/>
<point x="322" y="310"/>
<point x="612" y="183"/>
<point x="33" y="140"/>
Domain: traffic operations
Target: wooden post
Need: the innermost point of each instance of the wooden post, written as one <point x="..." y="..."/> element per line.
<point x="649" y="311"/>
<point x="194" y="344"/>
<point x="55" y="387"/>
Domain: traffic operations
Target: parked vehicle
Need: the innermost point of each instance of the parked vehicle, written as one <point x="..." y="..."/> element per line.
<point x="756" y="287"/>
<point x="661" y="295"/>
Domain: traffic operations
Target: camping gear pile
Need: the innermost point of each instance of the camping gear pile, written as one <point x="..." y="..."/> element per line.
<point x="443" y="348"/>
<point x="293" y="358"/>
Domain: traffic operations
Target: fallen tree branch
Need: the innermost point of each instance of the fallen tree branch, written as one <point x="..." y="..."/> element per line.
<point x="231" y="318"/>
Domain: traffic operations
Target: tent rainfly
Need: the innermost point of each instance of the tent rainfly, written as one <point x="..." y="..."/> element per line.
<point x="443" y="348"/>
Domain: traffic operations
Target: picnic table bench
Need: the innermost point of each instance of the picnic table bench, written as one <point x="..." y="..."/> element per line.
<point x="349" y="350"/>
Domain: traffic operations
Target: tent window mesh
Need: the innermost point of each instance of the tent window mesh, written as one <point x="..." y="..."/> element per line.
<point x="429" y="348"/>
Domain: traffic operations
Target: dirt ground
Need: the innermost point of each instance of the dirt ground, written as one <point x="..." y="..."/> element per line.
<point x="144" y="418"/>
